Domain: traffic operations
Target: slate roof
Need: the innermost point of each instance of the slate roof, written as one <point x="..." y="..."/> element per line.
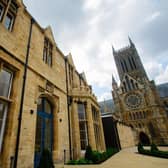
<point x="163" y="89"/>
<point x="107" y="106"/>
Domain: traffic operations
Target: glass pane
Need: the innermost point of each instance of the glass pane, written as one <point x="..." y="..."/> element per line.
<point x="8" y="21"/>
<point x="49" y="60"/>
<point x="38" y="134"/>
<point x="2" y="118"/>
<point x="1" y="11"/>
<point x="5" y="82"/>
<point x="39" y="107"/>
<point x="1" y="115"/>
<point x="47" y="107"/>
<point x="81" y="111"/>
<point x="47" y="142"/>
<point x="82" y="125"/>
<point x="0" y="125"/>
<point x="45" y="54"/>
<point x="1" y="110"/>
<point x="83" y="135"/>
<point x="83" y="144"/>
<point x="13" y="7"/>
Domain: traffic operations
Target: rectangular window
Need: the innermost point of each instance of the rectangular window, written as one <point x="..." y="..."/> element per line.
<point x="96" y="125"/>
<point x="82" y="126"/>
<point x="1" y="11"/>
<point x="9" y="21"/>
<point x="47" y="52"/>
<point x="3" y="114"/>
<point x="9" y="17"/>
<point x="5" y="87"/>
<point x="5" y="82"/>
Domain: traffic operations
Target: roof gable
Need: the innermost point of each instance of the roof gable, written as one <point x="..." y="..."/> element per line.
<point x="83" y="76"/>
<point x="49" y="34"/>
<point x="70" y="59"/>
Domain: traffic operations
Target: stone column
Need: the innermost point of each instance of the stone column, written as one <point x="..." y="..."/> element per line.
<point x="76" y="147"/>
<point x="91" y="135"/>
<point x="102" y="141"/>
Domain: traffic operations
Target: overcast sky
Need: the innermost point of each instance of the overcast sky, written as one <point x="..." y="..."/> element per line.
<point x="88" y="28"/>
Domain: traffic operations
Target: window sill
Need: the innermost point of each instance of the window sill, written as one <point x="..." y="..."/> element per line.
<point x="6" y="99"/>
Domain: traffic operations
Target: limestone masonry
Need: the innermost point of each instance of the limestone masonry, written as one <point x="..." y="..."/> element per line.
<point x="137" y="100"/>
<point x="59" y="111"/>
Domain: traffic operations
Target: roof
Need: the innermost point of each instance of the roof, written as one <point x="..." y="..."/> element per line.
<point x="163" y="90"/>
<point x="107" y="106"/>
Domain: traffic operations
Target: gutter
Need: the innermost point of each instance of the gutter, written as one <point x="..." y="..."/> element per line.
<point x="68" y="103"/>
<point x="22" y="96"/>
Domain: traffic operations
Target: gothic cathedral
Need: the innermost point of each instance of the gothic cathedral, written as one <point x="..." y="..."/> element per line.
<point x="137" y="102"/>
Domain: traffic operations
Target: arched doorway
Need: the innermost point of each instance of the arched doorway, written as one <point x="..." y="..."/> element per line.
<point x="144" y="139"/>
<point x="44" y="129"/>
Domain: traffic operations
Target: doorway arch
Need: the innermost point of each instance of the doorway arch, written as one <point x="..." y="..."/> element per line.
<point x="44" y="128"/>
<point x="144" y="139"/>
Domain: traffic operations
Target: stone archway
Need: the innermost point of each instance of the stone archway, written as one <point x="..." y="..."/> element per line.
<point x="144" y="139"/>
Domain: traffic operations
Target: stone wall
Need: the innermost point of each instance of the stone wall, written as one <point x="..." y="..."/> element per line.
<point x="53" y="83"/>
<point x="13" y="50"/>
<point x="80" y="92"/>
<point x="126" y="135"/>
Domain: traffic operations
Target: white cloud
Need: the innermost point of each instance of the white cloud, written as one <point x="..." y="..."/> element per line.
<point x="97" y="24"/>
<point x="92" y="4"/>
<point x="105" y="96"/>
<point x="153" y="69"/>
<point x="152" y="17"/>
<point x="157" y="72"/>
<point x="163" y="76"/>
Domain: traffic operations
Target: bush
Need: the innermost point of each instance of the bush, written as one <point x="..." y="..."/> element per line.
<point x="153" y="152"/>
<point x="88" y="153"/>
<point x="94" y="157"/>
<point x="153" y="147"/>
<point x="82" y="161"/>
<point x="140" y="147"/>
<point x="46" y="160"/>
<point x="111" y="151"/>
<point x="73" y="162"/>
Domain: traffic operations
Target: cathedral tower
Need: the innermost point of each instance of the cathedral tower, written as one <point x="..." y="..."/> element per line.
<point x="136" y="100"/>
<point x="128" y="61"/>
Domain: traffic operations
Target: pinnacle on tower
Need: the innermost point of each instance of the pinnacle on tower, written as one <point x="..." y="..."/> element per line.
<point x="113" y="80"/>
<point x="130" y="41"/>
<point x="114" y="83"/>
<point x="113" y="49"/>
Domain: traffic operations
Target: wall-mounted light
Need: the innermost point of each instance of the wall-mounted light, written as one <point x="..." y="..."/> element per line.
<point x="31" y="111"/>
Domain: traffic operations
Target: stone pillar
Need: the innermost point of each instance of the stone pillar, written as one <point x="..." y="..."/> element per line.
<point x="91" y="135"/>
<point x="102" y="141"/>
<point x="76" y="147"/>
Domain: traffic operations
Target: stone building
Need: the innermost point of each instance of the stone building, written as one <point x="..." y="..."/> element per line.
<point x="44" y="101"/>
<point x="85" y="119"/>
<point x="116" y="133"/>
<point x="137" y="100"/>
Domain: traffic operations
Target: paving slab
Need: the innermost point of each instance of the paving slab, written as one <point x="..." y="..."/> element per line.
<point x="128" y="158"/>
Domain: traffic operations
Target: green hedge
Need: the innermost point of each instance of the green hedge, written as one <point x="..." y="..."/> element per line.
<point x="94" y="157"/>
<point x="154" y="151"/>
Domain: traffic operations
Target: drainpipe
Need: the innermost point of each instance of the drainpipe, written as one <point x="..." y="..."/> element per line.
<point x="22" y="96"/>
<point x="68" y="103"/>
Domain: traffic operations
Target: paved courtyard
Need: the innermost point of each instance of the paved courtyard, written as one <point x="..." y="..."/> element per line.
<point x="128" y="158"/>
